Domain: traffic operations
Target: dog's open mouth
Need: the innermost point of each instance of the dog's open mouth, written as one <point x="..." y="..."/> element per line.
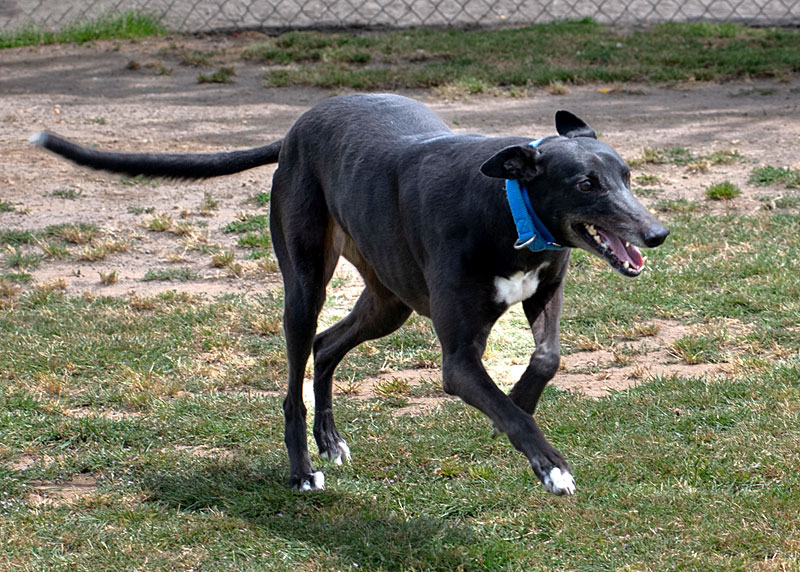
<point x="623" y="257"/>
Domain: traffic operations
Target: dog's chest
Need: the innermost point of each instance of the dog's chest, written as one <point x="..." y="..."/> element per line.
<point x="517" y="287"/>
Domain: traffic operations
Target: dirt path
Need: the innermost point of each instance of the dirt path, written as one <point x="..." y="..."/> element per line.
<point x="96" y="95"/>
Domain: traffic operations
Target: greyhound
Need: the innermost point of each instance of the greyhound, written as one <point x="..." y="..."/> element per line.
<point x="422" y="214"/>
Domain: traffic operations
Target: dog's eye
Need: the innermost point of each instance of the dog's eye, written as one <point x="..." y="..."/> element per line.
<point x="585" y="185"/>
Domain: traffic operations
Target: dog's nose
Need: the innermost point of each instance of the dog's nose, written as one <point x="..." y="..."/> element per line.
<point x="655" y="236"/>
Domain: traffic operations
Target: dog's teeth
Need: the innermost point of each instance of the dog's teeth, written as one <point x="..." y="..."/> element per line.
<point x="591" y="229"/>
<point x="627" y="244"/>
<point x="626" y="265"/>
<point x="597" y="238"/>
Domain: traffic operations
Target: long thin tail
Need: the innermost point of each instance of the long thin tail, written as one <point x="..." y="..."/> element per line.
<point x="174" y="166"/>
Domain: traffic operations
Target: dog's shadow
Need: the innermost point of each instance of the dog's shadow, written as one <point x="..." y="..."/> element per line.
<point x="345" y="527"/>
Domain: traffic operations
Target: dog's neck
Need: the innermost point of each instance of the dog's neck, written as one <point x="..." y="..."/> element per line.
<point x="531" y="231"/>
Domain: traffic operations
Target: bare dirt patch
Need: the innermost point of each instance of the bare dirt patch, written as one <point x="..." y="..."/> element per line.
<point x="92" y="95"/>
<point x="61" y="493"/>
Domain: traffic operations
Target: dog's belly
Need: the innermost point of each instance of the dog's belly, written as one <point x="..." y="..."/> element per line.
<point x="517" y="287"/>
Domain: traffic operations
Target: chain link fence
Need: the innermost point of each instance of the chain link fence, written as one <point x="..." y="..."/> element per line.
<point x="229" y="15"/>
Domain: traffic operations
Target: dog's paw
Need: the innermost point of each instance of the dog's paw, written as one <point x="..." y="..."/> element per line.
<point x="559" y="482"/>
<point x="311" y="482"/>
<point x="338" y="454"/>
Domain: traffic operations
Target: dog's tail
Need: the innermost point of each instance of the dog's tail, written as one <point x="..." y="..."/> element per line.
<point x="173" y="166"/>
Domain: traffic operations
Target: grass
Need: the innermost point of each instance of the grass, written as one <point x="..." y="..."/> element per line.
<point x="683" y="157"/>
<point x="184" y="274"/>
<point x="69" y="194"/>
<point x="723" y="191"/>
<point x="764" y="176"/>
<point x="556" y="54"/>
<point x="709" y="487"/>
<point x="127" y="25"/>
<point x="224" y="74"/>
<point x="166" y="402"/>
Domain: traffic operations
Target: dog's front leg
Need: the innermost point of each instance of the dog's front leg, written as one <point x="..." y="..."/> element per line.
<point x="543" y="312"/>
<point x="462" y="338"/>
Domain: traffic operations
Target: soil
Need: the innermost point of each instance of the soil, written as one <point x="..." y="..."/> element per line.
<point x="138" y="96"/>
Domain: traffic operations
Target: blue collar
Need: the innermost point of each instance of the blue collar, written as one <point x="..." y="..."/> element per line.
<point x="532" y="232"/>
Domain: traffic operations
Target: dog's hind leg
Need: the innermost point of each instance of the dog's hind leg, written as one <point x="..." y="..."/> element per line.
<point x="377" y="313"/>
<point x="545" y="360"/>
<point x="305" y="254"/>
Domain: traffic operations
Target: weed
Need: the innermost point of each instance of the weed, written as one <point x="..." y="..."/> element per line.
<point x="139" y="180"/>
<point x="348" y="386"/>
<point x="159" y="223"/>
<point x="261" y="199"/>
<point x="222" y="259"/>
<point x="54" y="249"/>
<point x="196" y="58"/>
<point x="640" y="330"/>
<point x="557" y="88"/>
<point x="763" y="176"/>
<point x="646" y="179"/>
<point x="141" y="210"/>
<point x="103" y="250"/>
<point x="208" y="205"/>
<point x="80" y="233"/>
<point x="258" y="241"/>
<point x="682" y="206"/>
<point x="694" y="349"/>
<point x="16" y="258"/>
<point x="108" y="278"/>
<point x="247" y="223"/>
<point x="16" y="237"/>
<point x="6" y="207"/>
<point x="641" y="192"/>
<point x="19" y="277"/>
<point x="393" y="387"/>
<point x="69" y="194"/>
<point x="723" y="191"/>
<point x="184" y="274"/>
<point x="222" y="75"/>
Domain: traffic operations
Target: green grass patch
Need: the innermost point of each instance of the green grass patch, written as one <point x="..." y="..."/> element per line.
<point x="723" y="191"/>
<point x="261" y="199"/>
<point x="6" y="207"/>
<point x="253" y="240"/>
<point x="677" y="206"/>
<point x="127" y="25"/>
<point x="764" y="176"/>
<point x="183" y="274"/>
<point x="15" y="237"/>
<point x="171" y="405"/>
<point x="248" y="223"/>
<point x="69" y="194"/>
<point x="683" y="157"/>
<point x="224" y="74"/>
<point x="541" y="55"/>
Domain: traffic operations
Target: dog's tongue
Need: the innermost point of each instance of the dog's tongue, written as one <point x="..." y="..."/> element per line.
<point x="626" y="252"/>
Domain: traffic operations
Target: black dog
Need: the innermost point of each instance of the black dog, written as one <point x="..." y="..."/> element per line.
<point x="422" y="213"/>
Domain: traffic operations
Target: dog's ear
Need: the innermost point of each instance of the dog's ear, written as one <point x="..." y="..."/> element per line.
<point x="517" y="162"/>
<point x="570" y="125"/>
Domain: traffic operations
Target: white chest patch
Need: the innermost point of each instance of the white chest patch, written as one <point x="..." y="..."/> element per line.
<point x="518" y="287"/>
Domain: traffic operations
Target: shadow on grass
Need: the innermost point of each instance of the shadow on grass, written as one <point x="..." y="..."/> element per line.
<point x="341" y="528"/>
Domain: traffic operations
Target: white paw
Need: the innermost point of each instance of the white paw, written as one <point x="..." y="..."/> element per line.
<point x="342" y="457"/>
<point x="559" y="483"/>
<point x="315" y="483"/>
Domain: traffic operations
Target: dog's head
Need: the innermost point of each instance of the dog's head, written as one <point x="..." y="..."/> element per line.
<point x="580" y="189"/>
